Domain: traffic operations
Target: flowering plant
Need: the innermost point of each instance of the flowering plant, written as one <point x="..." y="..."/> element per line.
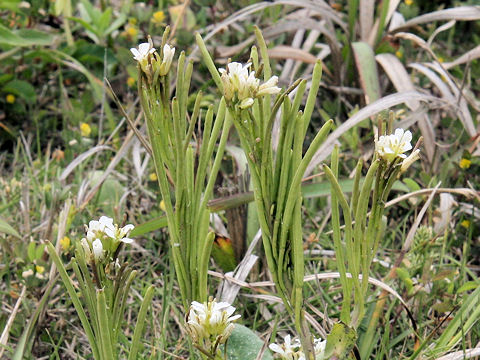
<point x="241" y="86"/>
<point x="210" y="324"/>
<point x="276" y="176"/>
<point x="363" y="228"/>
<point x="183" y="170"/>
<point x="292" y="350"/>
<point x="104" y="238"/>
<point x="104" y="283"/>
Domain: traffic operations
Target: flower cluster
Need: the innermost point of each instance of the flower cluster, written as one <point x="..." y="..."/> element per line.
<point x="210" y="323"/>
<point x="241" y="86"/>
<point x="104" y="236"/>
<point x="151" y="63"/>
<point x="292" y="350"/>
<point x="393" y="146"/>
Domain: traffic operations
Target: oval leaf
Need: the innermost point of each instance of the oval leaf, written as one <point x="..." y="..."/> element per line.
<point x="7" y="229"/>
<point x="244" y="344"/>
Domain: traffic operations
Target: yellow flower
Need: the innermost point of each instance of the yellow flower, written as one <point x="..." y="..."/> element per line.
<point x="85" y="129"/>
<point x="65" y="243"/>
<point x="465" y="163"/>
<point x="131" y="31"/>
<point x="441" y="59"/>
<point x="399" y="54"/>
<point x="158" y="17"/>
<point x="10" y="98"/>
<point x="40" y="269"/>
<point x="465" y="224"/>
<point x="130" y="81"/>
<point x="408" y="2"/>
<point x="153" y="177"/>
<point x="162" y="206"/>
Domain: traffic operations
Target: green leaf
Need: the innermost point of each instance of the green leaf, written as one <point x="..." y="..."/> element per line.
<point x="469" y="285"/>
<point x="135" y="345"/>
<point x="11" y="5"/>
<point x="367" y="69"/>
<point x="22" y="89"/>
<point x="116" y="24"/>
<point x="7" y="229"/>
<point x="244" y="344"/>
<point x="92" y="32"/>
<point x="149" y="226"/>
<point x="103" y="21"/>
<point x="35" y="37"/>
<point x="31" y="251"/>
<point x="411" y="184"/>
<point x="39" y="251"/>
<point x="24" y="37"/>
<point x="340" y="342"/>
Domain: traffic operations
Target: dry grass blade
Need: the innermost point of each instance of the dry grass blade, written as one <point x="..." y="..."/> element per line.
<point x="461" y="13"/>
<point x="313" y="25"/>
<point x="11" y="319"/>
<point x="140" y="137"/>
<point x="465" y="58"/>
<point x="460" y="355"/>
<point x="468" y="193"/>
<point x="460" y="99"/>
<point x="119" y="156"/>
<point x="307" y="278"/>
<point x="288" y="52"/>
<point x="325" y="11"/>
<point x="384" y="103"/>
<point x="436" y="80"/>
<point x="80" y="158"/>
<point x="401" y="80"/>
<point x="409" y="240"/>
<point x="367" y="12"/>
<point x="440" y="29"/>
<point x="373" y="281"/>
<point x="228" y="291"/>
<point x="228" y="51"/>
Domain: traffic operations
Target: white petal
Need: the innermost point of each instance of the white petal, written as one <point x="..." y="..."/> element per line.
<point x="106" y="221"/>
<point x="127" y="228"/>
<point x="110" y="232"/>
<point x="144" y="48"/>
<point x="97" y="247"/>
<point x="136" y="53"/>
<point x="276" y="348"/>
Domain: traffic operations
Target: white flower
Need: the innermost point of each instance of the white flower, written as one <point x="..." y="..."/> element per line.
<point x="211" y="323"/>
<point x="168" y="52"/>
<point x="292" y="350"/>
<point x="97" y="248"/>
<point x="105" y="227"/>
<point x="288" y="350"/>
<point x="141" y="54"/>
<point x="98" y="227"/>
<point x="241" y="85"/>
<point x="390" y="147"/>
<point x="120" y="234"/>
